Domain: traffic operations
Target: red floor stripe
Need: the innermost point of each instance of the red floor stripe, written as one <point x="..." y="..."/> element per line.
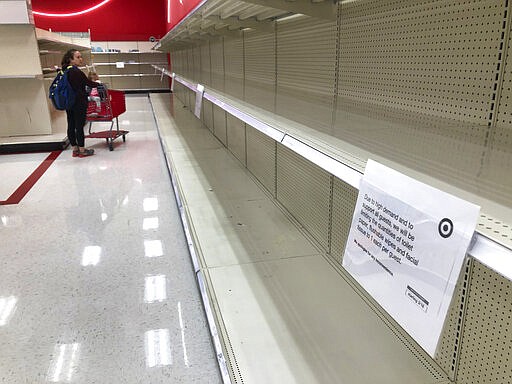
<point x="23" y="189"/>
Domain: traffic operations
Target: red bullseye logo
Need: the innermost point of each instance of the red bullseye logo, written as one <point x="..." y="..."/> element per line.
<point x="69" y="14"/>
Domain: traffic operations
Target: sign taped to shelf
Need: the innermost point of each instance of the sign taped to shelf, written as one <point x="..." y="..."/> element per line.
<point x="199" y="100"/>
<point x="119" y="64"/>
<point x="406" y="248"/>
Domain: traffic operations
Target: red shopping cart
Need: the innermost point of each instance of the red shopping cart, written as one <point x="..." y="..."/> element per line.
<point x="106" y="107"/>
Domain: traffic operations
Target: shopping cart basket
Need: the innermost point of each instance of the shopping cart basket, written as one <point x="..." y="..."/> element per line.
<point x="107" y="108"/>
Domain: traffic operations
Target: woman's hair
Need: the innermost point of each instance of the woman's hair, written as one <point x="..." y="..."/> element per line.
<point x="68" y="56"/>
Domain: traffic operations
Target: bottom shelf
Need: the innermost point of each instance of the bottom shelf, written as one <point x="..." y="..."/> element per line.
<point x="33" y="143"/>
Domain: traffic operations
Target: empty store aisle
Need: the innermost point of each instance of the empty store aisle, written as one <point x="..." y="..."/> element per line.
<point x="96" y="283"/>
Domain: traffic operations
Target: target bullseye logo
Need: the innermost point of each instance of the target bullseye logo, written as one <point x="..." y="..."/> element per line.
<point x="445" y="228"/>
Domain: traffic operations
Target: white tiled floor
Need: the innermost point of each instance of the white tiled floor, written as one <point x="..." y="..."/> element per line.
<point x="96" y="284"/>
<point x="14" y="169"/>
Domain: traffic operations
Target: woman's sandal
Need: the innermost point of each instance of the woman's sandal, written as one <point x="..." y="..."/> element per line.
<point x="75" y="152"/>
<point x="86" y="152"/>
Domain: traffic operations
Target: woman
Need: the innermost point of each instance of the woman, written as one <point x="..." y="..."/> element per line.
<point x="76" y="115"/>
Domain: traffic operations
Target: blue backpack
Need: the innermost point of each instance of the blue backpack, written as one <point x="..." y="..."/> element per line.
<point x="62" y="94"/>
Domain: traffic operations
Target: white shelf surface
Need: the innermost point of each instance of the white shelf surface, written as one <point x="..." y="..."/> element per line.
<point x="55" y="42"/>
<point x="132" y="75"/>
<point x="136" y="73"/>
<point x="33" y="139"/>
<point x="27" y="76"/>
<point x="126" y="53"/>
<point x="128" y="63"/>
<point x="43" y="52"/>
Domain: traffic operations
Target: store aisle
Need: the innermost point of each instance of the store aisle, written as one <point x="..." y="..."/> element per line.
<point x="96" y="284"/>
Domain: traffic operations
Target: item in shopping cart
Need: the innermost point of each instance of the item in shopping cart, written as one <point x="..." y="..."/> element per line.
<point x="94" y="94"/>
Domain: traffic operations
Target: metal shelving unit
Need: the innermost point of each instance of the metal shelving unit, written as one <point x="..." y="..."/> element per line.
<point x="129" y="71"/>
<point x="343" y="82"/>
<point x="27" y="116"/>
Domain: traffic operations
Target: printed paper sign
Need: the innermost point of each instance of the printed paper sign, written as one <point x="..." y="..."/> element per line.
<point x="406" y="247"/>
<point x="119" y="64"/>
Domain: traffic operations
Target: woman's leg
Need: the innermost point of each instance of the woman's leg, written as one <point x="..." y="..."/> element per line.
<point x="79" y="112"/>
<point x="71" y="131"/>
<point x="71" y="127"/>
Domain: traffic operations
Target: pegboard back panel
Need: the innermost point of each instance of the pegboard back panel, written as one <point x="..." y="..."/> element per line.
<point x="194" y="57"/>
<point x="503" y="135"/>
<point x="217" y="63"/>
<point x="358" y="114"/>
<point x="304" y="189"/>
<point x="178" y="63"/>
<point x="496" y="166"/>
<point x="306" y="62"/>
<point x="205" y="76"/>
<point x="439" y="145"/>
<point x="234" y="67"/>
<point x="219" y="124"/>
<point x="236" y="137"/>
<point x="154" y="82"/>
<point x="180" y="93"/>
<point x="435" y="57"/>
<point x="486" y="347"/>
<point x="191" y="98"/>
<point x="261" y="158"/>
<point x="207" y="114"/>
<point x="448" y="349"/>
<point x="189" y="58"/>
<point x="260" y="69"/>
<point x="344" y="198"/>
